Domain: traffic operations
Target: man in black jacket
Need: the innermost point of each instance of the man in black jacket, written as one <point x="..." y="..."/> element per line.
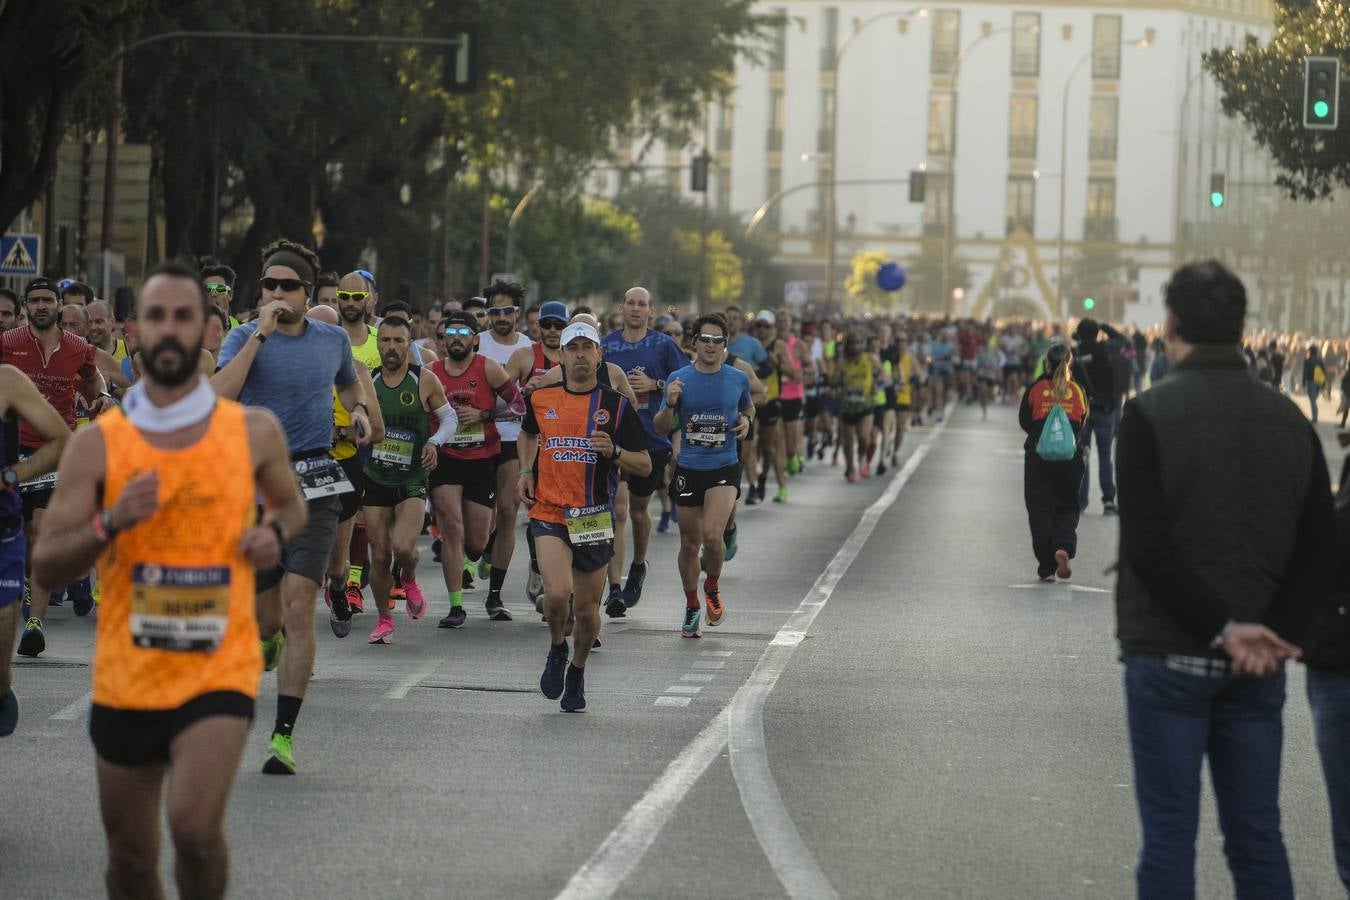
<point x="1104" y="393"/>
<point x="1225" y="529"/>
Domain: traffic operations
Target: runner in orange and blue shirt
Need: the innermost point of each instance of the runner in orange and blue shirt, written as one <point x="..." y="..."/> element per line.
<point x="576" y="439"/>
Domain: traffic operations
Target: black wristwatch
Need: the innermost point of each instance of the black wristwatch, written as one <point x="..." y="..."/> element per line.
<point x="615" y="455"/>
<point x="262" y="338"/>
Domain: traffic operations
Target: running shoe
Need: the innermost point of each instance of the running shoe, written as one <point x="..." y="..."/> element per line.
<point x="383" y="633"/>
<point x="534" y="589"/>
<point x="82" y="596"/>
<point x="616" y="607"/>
<point x="280" y="756"/>
<point x="664" y="525"/>
<point x="750" y="498"/>
<point x="271" y="650"/>
<point x="551" y="682"/>
<point x="396" y="594"/>
<point x="436" y="550"/>
<point x="355" y="601"/>
<point x="416" y="604"/>
<point x="1062" y="564"/>
<point x="1109" y="508"/>
<point x="496" y="611"/>
<point x="484" y="568"/>
<point x="57" y="597"/>
<point x="794" y="465"/>
<point x="781" y="496"/>
<point x="729" y="538"/>
<point x="632" y="588"/>
<point x="455" y="618"/>
<point x="341" y="627"/>
<point x="574" y="690"/>
<point x="867" y="470"/>
<point x="690" y="628"/>
<point x="715" y="608"/>
<point x="336" y="601"/>
<point x="852" y="476"/>
<point x="9" y="713"/>
<point x="33" y="641"/>
<point x="1047" y="579"/>
<point x="881" y="468"/>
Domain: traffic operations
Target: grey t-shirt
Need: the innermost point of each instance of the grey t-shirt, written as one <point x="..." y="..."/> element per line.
<point x="294" y="377"/>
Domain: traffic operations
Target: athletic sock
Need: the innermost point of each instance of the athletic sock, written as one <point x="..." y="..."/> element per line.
<point x="456" y="598"/>
<point x="691" y="599"/>
<point x="288" y="710"/>
<point x="495" y="582"/>
<point x="357" y="555"/>
<point x="710" y="585"/>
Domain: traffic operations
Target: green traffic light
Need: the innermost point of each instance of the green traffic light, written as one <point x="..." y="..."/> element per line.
<point x="1215" y="199"/>
<point x="1089" y="303"/>
<point x="1321" y="109"/>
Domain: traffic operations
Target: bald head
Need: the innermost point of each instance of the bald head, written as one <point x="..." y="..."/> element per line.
<point x="322" y="314"/>
<point x="75" y="319"/>
<point x="638" y="293"/>
<point x="637" y="312"/>
<point x="588" y="319"/>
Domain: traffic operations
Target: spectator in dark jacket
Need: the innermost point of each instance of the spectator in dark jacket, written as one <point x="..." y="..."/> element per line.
<point x="1225" y="532"/>
<point x="1103" y="393"/>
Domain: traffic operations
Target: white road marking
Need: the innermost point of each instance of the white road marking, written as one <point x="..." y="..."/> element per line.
<point x="722" y="653"/>
<point x="77" y="710"/>
<point x="1051" y="585"/>
<point x="683" y="689"/>
<point x="696" y="676"/>
<point x="622" y="850"/>
<point x="673" y="701"/>
<point x="421" y="673"/>
<point x="709" y="664"/>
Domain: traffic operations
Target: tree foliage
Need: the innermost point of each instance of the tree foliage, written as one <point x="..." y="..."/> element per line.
<point x="1263" y="86"/>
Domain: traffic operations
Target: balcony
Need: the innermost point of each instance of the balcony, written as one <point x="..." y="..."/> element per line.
<point x="1099" y="229"/>
<point x="774" y="140"/>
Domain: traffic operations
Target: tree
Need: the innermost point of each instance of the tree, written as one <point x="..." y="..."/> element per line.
<point x="1263" y="86"/>
<point x="862" y="284"/>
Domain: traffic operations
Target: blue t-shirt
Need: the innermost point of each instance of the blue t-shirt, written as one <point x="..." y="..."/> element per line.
<point x="708" y="407"/>
<point x="657" y="356"/>
<point x="293" y="376"/>
<point x="748" y="348"/>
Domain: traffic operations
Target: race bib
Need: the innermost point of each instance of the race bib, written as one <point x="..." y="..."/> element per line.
<point x="396" y="449"/>
<point x="468" y="435"/>
<point x="41" y="483"/>
<point x="856" y="398"/>
<point x="589" y="525"/>
<point x="179" y="609"/>
<point x="643" y="399"/>
<point x="321" y="476"/>
<point x="709" y="432"/>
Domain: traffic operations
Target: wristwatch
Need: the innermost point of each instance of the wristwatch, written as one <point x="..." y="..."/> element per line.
<point x="11" y="479"/>
<point x="615" y="455"/>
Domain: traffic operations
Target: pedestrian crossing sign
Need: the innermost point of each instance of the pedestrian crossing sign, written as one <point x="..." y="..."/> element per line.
<point x="20" y="254"/>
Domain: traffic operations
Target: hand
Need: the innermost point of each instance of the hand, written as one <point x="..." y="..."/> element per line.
<point x="138" y="501"/>
<point x="259" y="545"/>
<point x="742" y="427"/>
<point x="101" y="405"/>
<point x="673" y="391"/>
<point x="602" y="443"/>
<point x="430" y="456"/>
<point x="1255" y="649"/>
<point x="533" y="384"/>
<point x="525" y="488"/>
<point x="640" y="382"/>
<point x="467" y="413"/>
<point x="362" y="425"/>
<point x="268" y="316"/>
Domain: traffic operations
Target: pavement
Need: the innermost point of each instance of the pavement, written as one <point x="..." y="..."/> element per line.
<point x="893" y="707"/>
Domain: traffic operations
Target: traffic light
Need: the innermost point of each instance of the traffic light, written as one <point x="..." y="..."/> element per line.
<point x="698" y="173"/>
<point x="1217" y="194"/>
<point x="1321" y="92"/>
<point x="1089" y="304"/>
<point x="459" y="64"/>
<point x="918" y="181"/>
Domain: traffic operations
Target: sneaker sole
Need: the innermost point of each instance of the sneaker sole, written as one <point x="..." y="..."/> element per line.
<point x="386" y="639"/>
<point x="696" y="634"/>
<point x="616" y="609"/>
<point x="500" y="615"/>
<point x="713" y="623"/>
<point x="27" y="648"/>
<point x="574" y="709"/>
<point x="274" y="766"/>
<point x="444" y="624"/>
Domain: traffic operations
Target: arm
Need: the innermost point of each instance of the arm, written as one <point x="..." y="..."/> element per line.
<point x="664" y="420"/>
<point x="758" y="395"/>
<point x="93" y="388"/>
<point x="282" y="501"/>
<point x="435" y="401"/>
<point x="112" y="370"/>
<point x="66" y="542"/>
<point x="206" y="363"/>
<point x="19" y="394"/>
<point x="631" y="437"/>
<point x="786" y="370"/>
<point x="237" y="355"/>
<point x="507" y="390"/>
<point x="527" y="447"/>
<point x="373" y="411"/>
<point x="520" y="365"/>
<point x="619" y="380"/>
<point x="1307" y="588"/>
<point x="353" y="399"/>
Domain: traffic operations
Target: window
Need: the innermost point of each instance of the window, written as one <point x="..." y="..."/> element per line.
<point x="1100" y="223"/>
<point x="1022" y="126"/>
<point x="935" y="211"/>
<point x="1021" y="206"/>
<point x="829" y="37"/>
<point x="1106" y="46"/>
<point x="1102" y="127"/>
<point x="778" y="49"/>
<point x="939" y="123"/>
<point x="775" y="136"/>
<point x="771" y="219"/>
<point x="1026" y="44"/>
<point x="946" y="40"/>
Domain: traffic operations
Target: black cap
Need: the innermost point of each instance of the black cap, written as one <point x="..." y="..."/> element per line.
<point x="459" y="317"/>
<point x="475" y="303"/>
<point x="41" y="284"/>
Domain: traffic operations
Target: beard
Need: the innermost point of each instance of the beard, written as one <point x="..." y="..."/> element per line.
<point x="580" y="371"/>
<point x="42" y="319"/>
<point x="393" y="360"/>
<point x="352" y="313"/>
<point x="167" y="371"/>
<point x="457" y="352"/>
<point x="503" y="327"/>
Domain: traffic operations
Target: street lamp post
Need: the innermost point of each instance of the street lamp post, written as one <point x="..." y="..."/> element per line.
<point x="1180" y="161"/>
<point x="1064" y="163"/>
<point x="767" y="205"/>
<point x="858" y="27"/>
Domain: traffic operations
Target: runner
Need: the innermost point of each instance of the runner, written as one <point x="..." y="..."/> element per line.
<point x="61" y="365"/>
<point x="746" y="347"/>
<point x="514" y="352"/>
<point x="776" y="372"/>
<point x="176" y="660"/>
<point x="396" y="474"/>
<point x="712" y="403"/>
<point x="77" y="319"/>
<point x="9" y="309"/>
<point x="647" y="357"/>
<point x="219" y="281"/>
<point x="853" y="376"/>
<point x="463" y="483"/>
<point x="19" y="399"/>
<point x="289" y="365"/>
<point x="792" y="395"/>
<point x="581" y="436"/>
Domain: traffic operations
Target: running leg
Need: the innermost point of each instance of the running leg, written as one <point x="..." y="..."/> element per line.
<point x="205" y="757"/>
<point x="128" y="797"/>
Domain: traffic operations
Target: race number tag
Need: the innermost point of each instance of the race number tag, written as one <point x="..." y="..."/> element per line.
<point x="179" y="609"/>
<point x="321" y="476"/>
<point x="706" y="431"/>
<point x="396" y="449"/>
<point x="587" y="525"/>
<point x="469" y="434"/>
<point x="856" y="399"/>
<point x="643" y="399"/>
<point x="41" y="483"/>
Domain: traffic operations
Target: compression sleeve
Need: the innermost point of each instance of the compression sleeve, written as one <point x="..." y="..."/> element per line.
<point x="510" y="394"/>
<point x="449" y="425"/>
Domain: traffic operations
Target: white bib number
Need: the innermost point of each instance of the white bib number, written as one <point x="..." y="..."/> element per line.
<point x="321" y="476"/>
<point x="396" y="449"/>
<point x="589" y="525"/>
<point x="469" y="434"/>
<point x="179" y="609"/>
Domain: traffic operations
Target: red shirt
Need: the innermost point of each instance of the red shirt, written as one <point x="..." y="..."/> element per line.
<point x="473" y="440"/>
<point x="541" y="362"/>
<point x="57" y="376"/>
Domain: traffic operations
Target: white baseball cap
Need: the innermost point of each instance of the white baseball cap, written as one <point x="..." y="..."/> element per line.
<point x="579" y="330"/>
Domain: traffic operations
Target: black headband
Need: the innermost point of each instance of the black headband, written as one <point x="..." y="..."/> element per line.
<point x="291" y="260"/>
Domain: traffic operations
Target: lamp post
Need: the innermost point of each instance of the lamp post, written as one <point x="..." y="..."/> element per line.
<point x="858" y="27"/>
<point x="949" y="233"/>
<point x="1180" y="162"/>
<point x="773" y="201"/>
<point x="1144" y="41"/>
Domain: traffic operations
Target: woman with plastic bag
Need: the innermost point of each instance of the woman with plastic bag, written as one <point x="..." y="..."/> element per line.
<point x="1054" y="410"/>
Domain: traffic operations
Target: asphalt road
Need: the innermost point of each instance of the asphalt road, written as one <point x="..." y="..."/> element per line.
<point x="900" y="713"/>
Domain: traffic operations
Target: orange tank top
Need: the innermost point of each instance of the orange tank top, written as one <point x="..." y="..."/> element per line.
<point x="177" y="619"/>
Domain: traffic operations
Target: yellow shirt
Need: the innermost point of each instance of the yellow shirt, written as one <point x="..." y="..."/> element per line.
<point x="368" y="354"/>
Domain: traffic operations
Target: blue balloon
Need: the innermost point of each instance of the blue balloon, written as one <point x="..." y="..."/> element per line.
<point x="891" y="276"/>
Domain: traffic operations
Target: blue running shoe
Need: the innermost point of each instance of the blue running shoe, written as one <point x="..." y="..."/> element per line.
<point x="729" y="538"/>
<point x="574" y="690"/>
<point x="9" y="713"/>
<point x="551" y="682"/>
<point x="57" y="598"/>
<point x="690" y="628"/>
<point x="82" y="596"/>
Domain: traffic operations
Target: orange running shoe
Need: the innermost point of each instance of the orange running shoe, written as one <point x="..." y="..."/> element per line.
<point x="715" y="608"/>
<point x="354" y="598"/>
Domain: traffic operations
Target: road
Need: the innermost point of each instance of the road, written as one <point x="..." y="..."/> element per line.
<point x="919" y="721"/>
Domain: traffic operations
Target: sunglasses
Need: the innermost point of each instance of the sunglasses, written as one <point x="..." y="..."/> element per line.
<point x="551" y="325"/>
<point x="353" y="295"/>
<point x="217" y="288"/>
<point x="501" y="310"/>
<point x="459" y="331"/>
<point x="712" y="338"/>
<point x="286" y="284"/>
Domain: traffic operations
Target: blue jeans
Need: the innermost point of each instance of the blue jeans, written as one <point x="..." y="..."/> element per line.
<point x="1101" y="427"/>
<point x="1329" y="697"/>
<point x="1175" y="720"/>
